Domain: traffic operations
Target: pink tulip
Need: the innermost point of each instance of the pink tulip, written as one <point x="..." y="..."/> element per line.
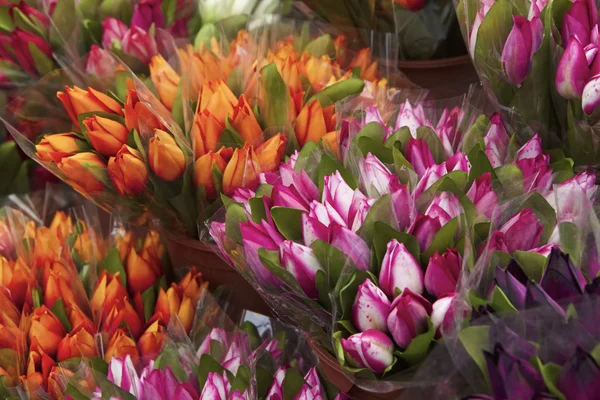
<point x="521" y="44"/>
<point x="404" y="204"/>
<point x="442" y="315"/>
<point x="100" y="62"/>
<point x="590" y="98"/>
<point x="313" y="229"/>
<point x="372" y="115"/>
<point x="374" y="176"/>
<point x="352" y="245"/>
<point x="496" y="141"/>
<point x="254" y="237"/>
<point x="458" y="162"/>
<point x="337" y="192"/>
<point x="112" y="30"/>
<point x="140" y="44"/>
<point x="537" y="174"/>
<point x="483" y="196"/>
<point x="276" y="389"/>
<point x="419" y="156"/>
<point x="424" y="229"/>
<point x="146" y="13"/>
<point x="301" y="262"/>
<point x="442" y="273"/>
<point x="216" y="335"/>
<point x="531" y="149"/>
<point x="576" y="23"/>
<point x="413" y="118"/>
<point x="431" y="176"/>
<point x="573" y="71"/>
<point x="408" y="317"/>
<point x="371" y="308"/>
<point x="371" y="349"/>
<point x="444" y="207"/>
<point x="300" y="181"/>
<point x="522" y="231"/>
<point x="447" y="130"/>
<point x="19" y="41"/>
<point x="400" y="270"/>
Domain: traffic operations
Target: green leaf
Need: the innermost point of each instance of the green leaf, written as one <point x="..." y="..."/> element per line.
<point x="257" y="208"/>
<point x="379" y="212"/>
<point x="74" y="392"/>
<point x="550" y="373"/>
<point x="206" y="366"/>
<point x="338" y="91"/>
<point x="270" y="260"/>
<point x="418" y="348"/>
<point x="476" y="134"/>
<point x="230" y="137"/>
<point x="328" y="166"/>
<point x="36" y="297"/>
<point x="348" y="292"/>
<point x="275" y="105"/>
<point x="264" y="380"/>
<point x="475" y="340"/>
<point x="26" y="24"/>
<point x="480" y="164"/>
<point x="112" y="264"/>
<point x="322" y="285"/>
<point x="332" y="260"/>
<point x="58" y="309"/>
<point x="321" y="46"/>
<point x="510" y="180"/>
<point x="544" y="212"/>
<point x="372" y="130"/>
<point x="234" y="216"/>
<point x="501" y="303"/>
<point x="533" y="264"/>
<point x="253" y="335"/>
<point x="571" y="240"/>
<point x="443" y="239"/>
<point x="242" y="379"/>
<point x="64" y="19"/>
<point x="10" y="162"/>
<point x="43" y="63"/>
<point x="433" y="142"/>
<point x="369" y="145"/>
<point x="288" y="222"/>
<point x="149" y="301"/>
<point x="401" y="136"/>
<point x="292" y="383"/>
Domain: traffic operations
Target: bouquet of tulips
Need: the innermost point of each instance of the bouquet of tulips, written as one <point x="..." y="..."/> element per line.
<point x="381" y="235"/>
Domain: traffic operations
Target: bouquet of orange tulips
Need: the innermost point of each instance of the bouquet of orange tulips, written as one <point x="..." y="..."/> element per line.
<point x="209" y="122"/>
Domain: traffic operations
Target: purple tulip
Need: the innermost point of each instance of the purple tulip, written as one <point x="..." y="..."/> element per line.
<point x="442" y="314"/>
<point x="300" y="181"/>
<point x="254" y="237"/>
<point x="496" y="141"/>
<point x="313" y="229"/>
<point x="122" y="373"/>
<point x="404" y="204"/>
<point x="100" y="62"/>
<point x="371" y="349"/>
<point x="562" y="280"/>
<point x="444" y="207"/>
<point x="215" y="335"/>
<point x="158" y="384"/>
<point x="413" y="118"/>
<point x="458" y="162"/>
<point x="288" y="196"/>
<point x="447" y="130"/>
<point x="531" y="149"/>
<point x="514" y="290"/>
<point x="590" y="98"/>
<point x="371" y="308"/>
<point x="576" y="23"/>
<point x="375" y="177"/>
<point x="442" y="273"/>
<point x="276" y="389"/>
<point x="140" y="44"/>
<point x="483" y="196"/>
<point x="185" y="391"/>
<point x="523" y="231"/>
<point x="112" y="30"/>
<point x="511" y="377"/>
<point x="146" y="13"/>
<point x="301" y="262"/>
<point x="352" y="245"/>
<point x="419" y="156"/>
<point x="580" y="377"/>
<point x="400" y="270"/>
<point x="408" y="317"/>
<point x="424" y="229"/>
<point x="573" y="71"/>
<point x="537" y="297"/>
<point x="521" y="44"/>
<point x="537" y="174"/>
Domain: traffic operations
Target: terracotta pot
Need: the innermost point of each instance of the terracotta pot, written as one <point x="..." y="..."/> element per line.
<point x="332" y="370"/>
<point x="185" y="253"/>
<point x="446" y="77"/>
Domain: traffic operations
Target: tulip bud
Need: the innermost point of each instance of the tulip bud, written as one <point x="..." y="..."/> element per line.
<point x="572" y="72"/>
<point x="313" y="229"/>
<point x="424" y="229"/>
<point x="147" y="13"/>
<point x="339" y="195"/>
<point x="122" y="312"/>
<point x="444" y="207"/>
<point x="590" y="98"/>
<point x="576" y="23"/>
<point x="431" y="176"/>
<point x="57" y="285"/>
<point x="138" y="116"/>
<point x="46" y="331"/>
<point x="151" y="341"/>
<point x="84" y="170"/>
<point x="371" y="349"/>
<point x="314" y="122"/>
<point x="514" y="290"/>
<point x="419" y="156"/>
<point x="142" y="270"/>
<point x="483" y="196"/>
<point x="521" y="44"/>
<point x="458" y="162"/>
<point x="371" y="308"/>
<point x="374" y="176"/>
<point x="128" y="172"/>
<point x="56" y="147"/>
<point x="301" y="262"/>
<point x="242" y="170"/>
<point x="11" y="336"/>
<point x="404" y="203"/>
<point x="448" y="129"/>
<point x="78" y="101"/>
<point x="78" y="343"/>
<point x="245" y="123"/>
<point x="271" y="152"/>
<point x="165" y="157"/>
<point x="206" y="132"/>
<point x="537" y="174"/>
<point x="523" y="231"/>
<point x="352" y="245"/>
<point x="496" y="142"/>
<point x="254" y="237"/>
<point x="408" y="317"/>
<point x="412" y="5"/>
<point x="442" y="315"/>
<point x="218" y="100"/>
<point x="108" y="290"/>
<point x="203" y="172"/>
<point x="531" y="149"/>
<point x="400" y="270"/>
<point x="442" y="273"/>
<point x="140" y="44"/>
<point x="413" y="118"/>
<point x="107" y="136"/>
<point x="100" y="63"/>
<point x="120" y="346"/>
<point x="579" y="376"/>
<point x="113" y="31"/>
<point x="165" y="79"/>
<point x="15" y="277"/>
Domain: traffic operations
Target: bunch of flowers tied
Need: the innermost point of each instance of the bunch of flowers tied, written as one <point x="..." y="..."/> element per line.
<point x="539" y="59"/>
<point x="68" y="294"/>
<point x="171" y="152"/>
<point x="382" y="236"/>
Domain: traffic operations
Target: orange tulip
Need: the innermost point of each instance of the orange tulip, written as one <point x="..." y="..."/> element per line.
<point x="271" y="152"/>
<point x="204" y="65"/>
<point x="108" y="290"/>
<point x="16" y="278"/>
<point x="128" y="172"/>
<point x="331" y="142"/>
<point x="165" y="79"/>
<point x="242" y="170"/>
<point x="78" y="101"/>
<point x="245" y="123"/>
<point x="313" y="123"/>
<point x="78" y="319"/>
<point x="39" y="365"/>
<point x="56" y="147"/>
<point x="193" y="286"/>
<point x="89" y="245"/>
<point x="203" y="172"/>
<point x="78" y="343"/>
<point x="165" y="157"/>
<point x="319" y="71"/>
<point x="7" y="246"/>
<point x="206" y="132"/>
<point x="125" y="241"/>
<point x="368" y="67"/>
<point x="138" y="116"/>
<point x="217" y="99"/>
<point x="142" y="271"/>
<point x="11" y="335"/>
<point x="58" y="285"/>
<point x="46" y="331"/>
<point x="340" y="44"/>
<point x="61" y="225"/>
<point x="154" y="245"/>
<point x="151" y="341"/>
<point x="60" y="377"/>
<point x="107" y="136"/>
<point x="122" y="312"/>
<point x="85" y="170"/>
<point x="119" y="346"/>
<point x="290" y="73"/>
<point x="8" y="308"/>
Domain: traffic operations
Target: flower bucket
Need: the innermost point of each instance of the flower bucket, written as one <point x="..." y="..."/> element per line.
<point x="332" y="370"/>
<point x="185" y="253"/>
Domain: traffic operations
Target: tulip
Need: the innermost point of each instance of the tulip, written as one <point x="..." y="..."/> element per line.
<point x="78" y="101"/>
<point x="412" y="5"/>
<point x="290" y="197"/>
<point x="143" y="270"/>
<point x="113" y="31"/>
<point x="444" y="207"/>
<point x="368" y="67"/>
<point x="140" y="44"/>
<point x="159" y="384"/>
<point x="165" y="79"/>
<point x="483" y="196"/>
<point x="400" y="270"/>
<point x="374" y="176"/>
<point x="20" y="42"/>
<point x="573" y="72"/>
<point x="431" y="176"/>
<point x="147" y="13"/>
<point x="447" y="130"/>
<point x="442" y="314"/>
<point x="408" y="317"/>
<point x="138" y="116"/>
<point x="313" y="229"/>
<point x="203" y="172"/>
<point x="185" y="391"/>
<point x="371" y="349"/>
<point x="165" y="157"/>
<point x="122" y="373"/>
<point x="107" y="136"/>
<point x="301" y="262"/>
<point x="120" y="346"/>
<point x="271" y="152"/>
<point x="442" y="273"/>
<point x="579" y="377"/>
<point x="419" y="156"/>
<point x="424" y="229"/>
<point x="590" y="98"/>
<point x="100" y="62"/>
<point x="245" y="123"/>
<point x="531" y="149"/>
<point x="314" y="122"/>
<point x="128" y="172"/>
<point x="57" y="285"/>
<point x="11" y="336"/>
<point x="122" y="312"/>
<point x="352" y="245"/>
<point x="15" y="277"/>
<point x="371" y="308"/>
<point x="359" y="209"/>
<point x="537" y="173"/>
<point x="56" y="147"/>
<point x="458" y="162"/>
<point x="577" y="23"/>
<point x="77" y="318"/>
<point x="523" y="231"/>
<point x="413" y="118"/>
<point x="512" y="288"/>
<point x="219" y="100"/>
<point x="108" y="290"/>
<point x="404" y="203"/>
<point x="46" y="331"/>
<point x="536" y="297"/>
<point x="326" y="214"/>
<point x="170" y="304"/>
<point x="39" y="365"/>
<point x="562" y="280"/>
<point x="313" y="382"/>
<point x="372" y="115"/>
<point x="216" y="335"/>
<point x="242" y="170"/>
<point x="206" y="132"/>
<point x="254" y="237"/>
<point x="521" y="45"/>
<point x="78" y="343"/>
<point x="512" y="377"/>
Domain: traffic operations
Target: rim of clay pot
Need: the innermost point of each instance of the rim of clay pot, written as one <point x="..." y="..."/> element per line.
<point x="440" y="63"/>
<point x="193" y="243"/>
